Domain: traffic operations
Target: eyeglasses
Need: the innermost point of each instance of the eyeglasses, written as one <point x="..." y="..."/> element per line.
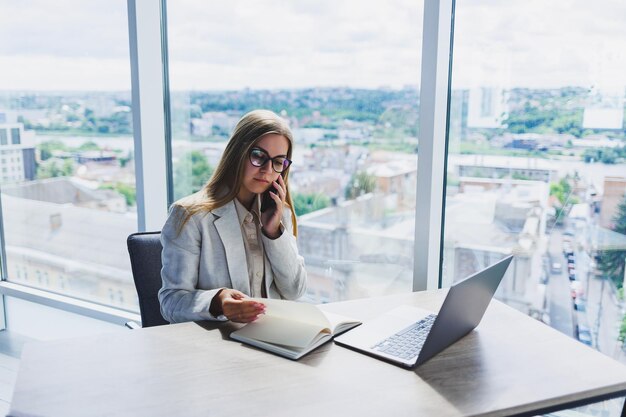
<point x="258" y="158"/>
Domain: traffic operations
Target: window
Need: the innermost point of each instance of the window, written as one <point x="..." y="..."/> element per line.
<point x="349" y="91"/>
<point x="69" y="202"/>
<point x="537" y="159"/>
<point x="15" y="136"/>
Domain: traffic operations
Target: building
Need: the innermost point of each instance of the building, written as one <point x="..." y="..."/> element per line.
<point x="66" y="238"/>
<point x="396" y="178"/>
<point x="69" y="249"/>
<point x="360" y="248"/>
<point x="489" y="219"/>
<point x="487" y="107"/>
<point x="67" y="191"/>
<point x="614" y="194"/>
<point x="17" y="152"/>
<point x="356" y="249"/>
<point x="506" y="171"/>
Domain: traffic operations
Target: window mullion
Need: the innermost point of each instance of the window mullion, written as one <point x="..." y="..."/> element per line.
<point x="434" y="98"/>
<point x="144" y="25"/>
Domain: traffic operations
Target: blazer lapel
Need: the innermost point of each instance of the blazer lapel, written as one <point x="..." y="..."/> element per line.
<point x="229" y="230"/>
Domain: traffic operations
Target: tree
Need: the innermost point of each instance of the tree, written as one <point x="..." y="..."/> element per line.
<point x="604" y="155"/>
<point x="191" y="172"/>
<point x="89" y="146"/>
<point x="306" y="203"/>
<point x="622" y="331"/>
<point x="611" y="262"/>
<point x="126" y="159"/>
<point x="128" y="191"/>
<point x="360" y="183"/>
<point x="562" y="190"/>
<point x="46" y="148"/>
<point x="55" y="168"/>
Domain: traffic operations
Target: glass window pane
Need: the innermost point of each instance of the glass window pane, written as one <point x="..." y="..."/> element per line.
<point x="348" y="89"/>
<point x="537" y="159"/>
<point x="15" y="136"/>
<point x="66" y="147"/>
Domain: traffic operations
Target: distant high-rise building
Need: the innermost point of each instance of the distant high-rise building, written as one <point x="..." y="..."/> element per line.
<point x="17" y="152"/>
<point x="487" y="107"/>
<point x="604" y="110"/>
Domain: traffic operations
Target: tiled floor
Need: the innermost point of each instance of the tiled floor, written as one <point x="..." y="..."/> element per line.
<point x="10" y="349"/>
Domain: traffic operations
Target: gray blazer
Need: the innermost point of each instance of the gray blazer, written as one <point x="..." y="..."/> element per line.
<point x="208" y="254"/>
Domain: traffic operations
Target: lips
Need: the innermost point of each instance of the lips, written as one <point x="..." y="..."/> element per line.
<point x="261" y="180"/>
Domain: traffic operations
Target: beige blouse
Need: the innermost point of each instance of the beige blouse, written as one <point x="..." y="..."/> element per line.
<point x="250" y="222"/>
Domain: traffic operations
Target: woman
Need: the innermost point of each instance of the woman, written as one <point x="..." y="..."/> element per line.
<point x="225" y="243"/>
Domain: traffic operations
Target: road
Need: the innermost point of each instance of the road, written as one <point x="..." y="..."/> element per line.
<point x="604" y="312"/>
<point x="559" y="288"/>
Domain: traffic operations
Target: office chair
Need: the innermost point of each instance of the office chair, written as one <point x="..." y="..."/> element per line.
<point x="145" y="260"/>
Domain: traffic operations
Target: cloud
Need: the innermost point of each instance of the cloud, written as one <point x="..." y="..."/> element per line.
<point x="44" y="72"/>
<point x="64" y="28"/>
<point x="540" y="44"/>
<point x="305" y="43"/>
<point x="274" y="44"/>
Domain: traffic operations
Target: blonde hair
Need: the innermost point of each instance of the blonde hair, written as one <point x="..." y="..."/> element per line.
<point x="224" y="184"/>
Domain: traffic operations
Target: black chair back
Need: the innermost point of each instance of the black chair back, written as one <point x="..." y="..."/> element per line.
<point x="145" y="260"/>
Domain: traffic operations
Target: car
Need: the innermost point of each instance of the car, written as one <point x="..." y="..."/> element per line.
<point x="580" y="304"/>
<point x="572" y="275"/>
<point x="577" y="289"/>
<point x="568" y="232"/>
<point x="584" y="335"/>
<point x="555" y="268"/>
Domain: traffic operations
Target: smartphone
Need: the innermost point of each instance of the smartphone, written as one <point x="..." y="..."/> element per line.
<point x="267" y="202"/>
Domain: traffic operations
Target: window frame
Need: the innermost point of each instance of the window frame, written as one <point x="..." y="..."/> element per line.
<point x="147" y="25"/>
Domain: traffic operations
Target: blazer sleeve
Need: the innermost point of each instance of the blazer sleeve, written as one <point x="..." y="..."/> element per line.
<point x="179" y="296"/>
<point x="287" y="264"/>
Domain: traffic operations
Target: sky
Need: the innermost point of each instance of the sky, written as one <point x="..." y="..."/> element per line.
<point x="219" y="45"/>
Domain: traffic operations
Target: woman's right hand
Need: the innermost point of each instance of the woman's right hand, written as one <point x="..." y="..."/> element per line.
<point x="238" y="307"/>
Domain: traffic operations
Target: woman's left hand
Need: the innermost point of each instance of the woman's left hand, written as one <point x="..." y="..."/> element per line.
<point x="271" y="218"/>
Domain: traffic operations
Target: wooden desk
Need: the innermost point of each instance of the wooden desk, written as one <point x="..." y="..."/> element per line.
<point x="511" y="364"/>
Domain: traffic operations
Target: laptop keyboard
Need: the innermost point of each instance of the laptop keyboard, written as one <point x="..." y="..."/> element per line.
<point x="408" y="342"/>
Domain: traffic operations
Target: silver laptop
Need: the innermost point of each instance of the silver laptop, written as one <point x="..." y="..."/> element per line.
<point x="409" y="336"/>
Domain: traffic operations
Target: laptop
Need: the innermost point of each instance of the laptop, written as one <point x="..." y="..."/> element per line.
<point x="409" y="336"/>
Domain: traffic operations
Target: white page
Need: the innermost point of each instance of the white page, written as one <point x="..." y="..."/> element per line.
<point x="336" y="320"/>
<point x="292" y="310"/>
<point x="281" y="331"/>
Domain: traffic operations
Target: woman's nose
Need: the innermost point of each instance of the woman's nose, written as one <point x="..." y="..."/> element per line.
<point x="266" y="166"/>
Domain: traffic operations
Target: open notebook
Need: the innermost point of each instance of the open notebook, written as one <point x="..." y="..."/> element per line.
<point x="292" y="329"/>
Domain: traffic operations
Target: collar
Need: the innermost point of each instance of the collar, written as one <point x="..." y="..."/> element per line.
<point x="243" y="212"/>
